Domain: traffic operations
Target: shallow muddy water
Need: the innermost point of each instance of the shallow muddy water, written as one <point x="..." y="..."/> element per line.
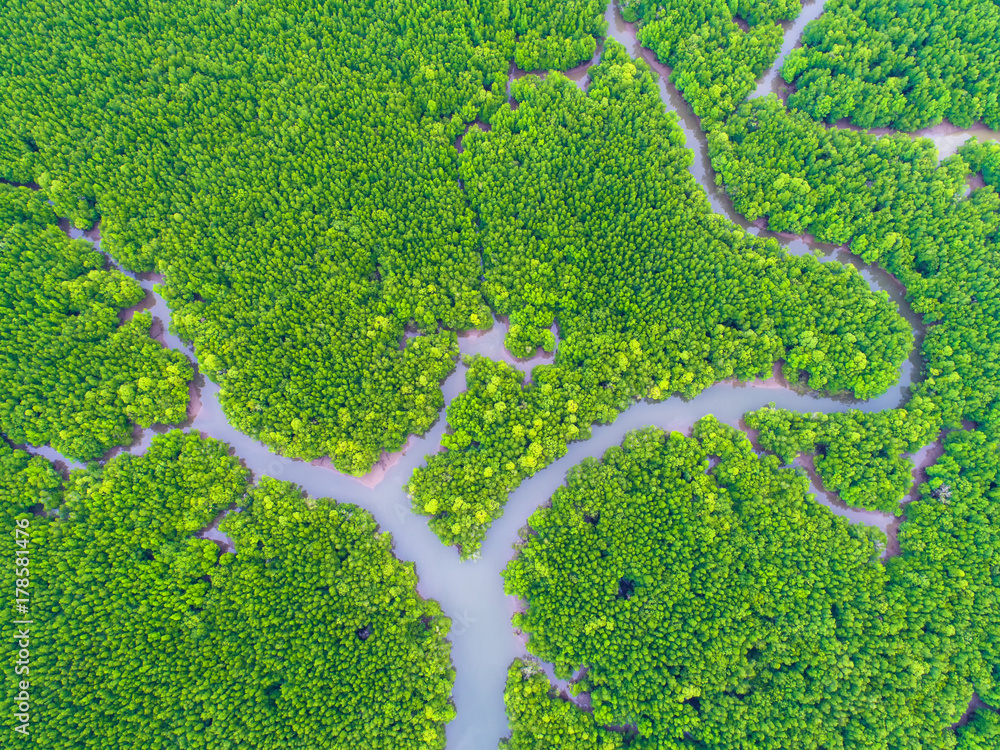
<point x="471" y="593"/>
<point x="772" y="82"/>
<point x="948" y="137"/>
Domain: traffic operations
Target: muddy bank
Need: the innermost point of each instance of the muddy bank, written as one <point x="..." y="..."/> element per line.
<point x="212" y="533"/>
<point x="776" y="380"/>
<point x="562" y="688"/>
<point x="379" y="470"/>
<point x="974" y="705"/>
<point x="831" y="500"/>
<point x="491" y="344"/>
<point x="947" y="138"/>
<point x="484" y="126"/>
<point x="922" y="459"/>
<point x="772" y="82"/>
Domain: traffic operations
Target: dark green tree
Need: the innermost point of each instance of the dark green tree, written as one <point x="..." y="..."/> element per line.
<point x="592" y="221"/>
<point x="71" y="373"/>
<point x="310" y="635"/>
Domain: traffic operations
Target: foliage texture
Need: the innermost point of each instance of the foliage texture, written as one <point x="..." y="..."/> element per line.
<point x="720" y="606"/>
<point x="289" y="168"/>
<point x="902" y="65"/>
<point x="591" y="220"/>
<point x="71" y="374"/>
<point x="311" y="635"/>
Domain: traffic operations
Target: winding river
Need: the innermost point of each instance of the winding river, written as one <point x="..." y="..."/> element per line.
<point x="471" y="593"/>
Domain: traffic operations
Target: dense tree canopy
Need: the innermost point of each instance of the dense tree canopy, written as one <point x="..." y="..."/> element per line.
<point x="71" y="374"/>
<point x="27" y="483"/>
<point x="541" y="721"/>
<point x="556" y="34"/>
<point x="290" y="168"/>
<point x="891" y="200"/>
<point x="591" y="220"/>
<point x="715" y="62"/>
<point x="310" y="635"/>
<point x="884" y="63"/>
<point x="947" y="572"/>
<point x="859" y="455"/>
<point x="982" y="733"/>
<point x="720" y="606"/>
<point x="897" y="206"/>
